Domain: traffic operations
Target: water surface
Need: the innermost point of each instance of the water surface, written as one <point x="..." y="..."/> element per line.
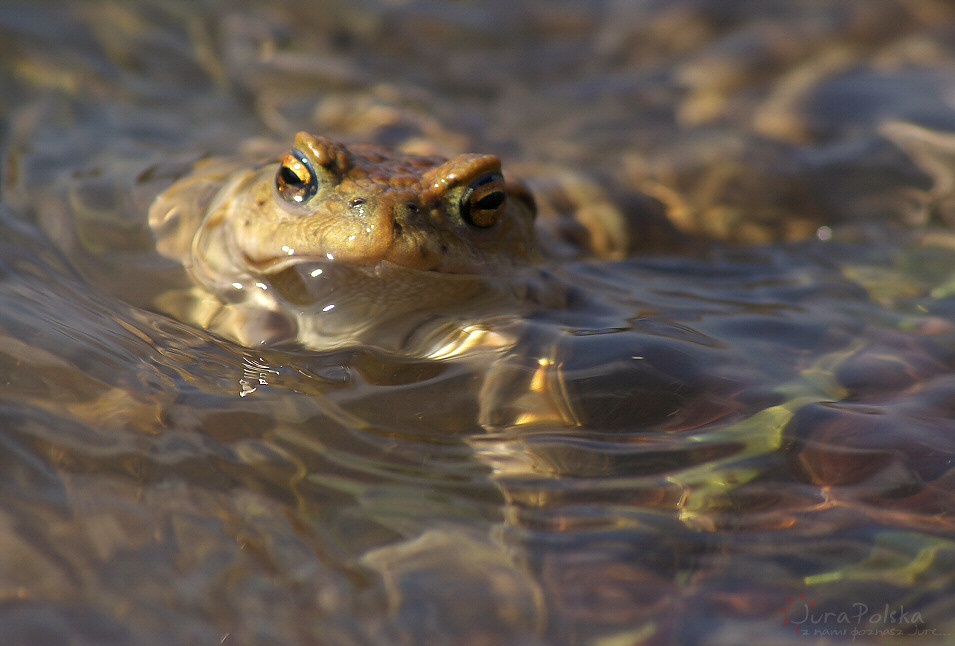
<point x="763" y="436"/>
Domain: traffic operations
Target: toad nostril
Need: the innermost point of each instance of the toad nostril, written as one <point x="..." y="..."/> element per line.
<point x="358" y="201"/>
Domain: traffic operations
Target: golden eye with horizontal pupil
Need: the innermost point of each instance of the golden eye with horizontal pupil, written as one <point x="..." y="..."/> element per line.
<point x="483" y="201"/>
<point x="295" y="180"/>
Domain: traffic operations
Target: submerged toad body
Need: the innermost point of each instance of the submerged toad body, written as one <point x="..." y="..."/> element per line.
<point x="334" y="244"/>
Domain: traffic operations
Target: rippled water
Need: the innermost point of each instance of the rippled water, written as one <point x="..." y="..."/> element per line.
<point x="761" y="439"/>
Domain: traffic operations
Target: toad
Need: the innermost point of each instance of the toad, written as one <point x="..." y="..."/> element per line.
<point x="332" y="245"/>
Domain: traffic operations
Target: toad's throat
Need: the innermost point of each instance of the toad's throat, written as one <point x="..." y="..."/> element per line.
<point x="386" y="262"/>
<point x="413" y="253"/>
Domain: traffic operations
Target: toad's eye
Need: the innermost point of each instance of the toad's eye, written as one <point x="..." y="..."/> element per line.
<point x="483" y="201"/>
<point x="295" y="180"/>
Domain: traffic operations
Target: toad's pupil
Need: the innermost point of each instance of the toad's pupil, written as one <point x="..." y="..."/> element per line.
<point x="490" y="201"/>
<point x="483" y="201"/>
<point x="288" y="176"/>
<point x="295" y="180"/>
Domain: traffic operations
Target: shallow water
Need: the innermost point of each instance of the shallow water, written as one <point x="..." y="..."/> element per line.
<point x="762" y="436"/>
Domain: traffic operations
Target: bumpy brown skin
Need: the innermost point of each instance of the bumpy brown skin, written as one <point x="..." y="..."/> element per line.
<point x="370" y="205"/>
